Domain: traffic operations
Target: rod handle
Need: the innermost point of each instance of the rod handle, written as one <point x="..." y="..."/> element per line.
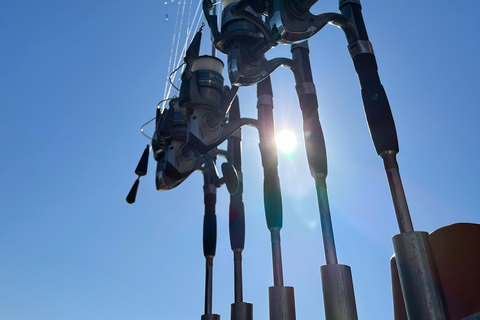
<point x="377" y="108"/>
<point x="273" y="201"/>
<point x="209" y="225"/>
<point x="237" y="224"/>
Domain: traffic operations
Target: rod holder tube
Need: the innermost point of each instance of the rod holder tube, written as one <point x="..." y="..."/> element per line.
<point x="419" y="277"/>
<point x="338" y="295"/>
<point x="210" y="317"/>
<point x="241" y="311"/>
<point x="281" y="303"/>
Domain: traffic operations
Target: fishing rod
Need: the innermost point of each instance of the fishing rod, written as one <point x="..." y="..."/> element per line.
<point x="337" y="283"/>
<point x="423" y="293"/>
<point x="240" y="310"/>
<point x="281" y="298"/>
<point x="209" y="241"/>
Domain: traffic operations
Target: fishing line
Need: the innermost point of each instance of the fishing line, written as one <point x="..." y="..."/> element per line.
<point x="149" y="121"/>
<point x="171" y="52"/>
<point x="179" y="31"/>
<point x="189" y="36"/>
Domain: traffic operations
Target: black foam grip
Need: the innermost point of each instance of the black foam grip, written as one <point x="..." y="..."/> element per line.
<point x="377" y="109"/>
<point x="273" y="201"/>
<point x="209" y="226"/>
<point x="313" y="135"/>
<point x="237" y="224"/>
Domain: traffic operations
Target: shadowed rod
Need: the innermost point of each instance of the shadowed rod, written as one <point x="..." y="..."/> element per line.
<point x="337" y="283"/>
<point x="209" y="240"/>
<point x="281" y="298"/>
<point x="240" y="310"/>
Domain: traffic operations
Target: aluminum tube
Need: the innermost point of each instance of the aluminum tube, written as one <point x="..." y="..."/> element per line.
<point x="210" y="317"/>
<point x="242" y="311"/>
<point x="419" y="278"/>
<point x="282" y="303"/>
<point x="338" y="295"/>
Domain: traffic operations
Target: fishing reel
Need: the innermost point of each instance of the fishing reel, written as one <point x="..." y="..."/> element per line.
<point x="176" y="160"/>
<point x="244" y="38"/>
<point x="206" y="101"/>
<point x="292" y="22"/>
<point x="202" y="96"/>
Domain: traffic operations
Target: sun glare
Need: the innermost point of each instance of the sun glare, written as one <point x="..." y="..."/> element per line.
<point x="286" y="141"/>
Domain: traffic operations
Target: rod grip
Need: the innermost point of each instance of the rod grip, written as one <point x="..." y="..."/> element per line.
<point x="377" y="108"/>
<point x="313" y="134"/>
<point x="273" y="201"/>
<point x="307" y="97"/>
<point x="209" y="225"/>
<point x="237" y="223"/>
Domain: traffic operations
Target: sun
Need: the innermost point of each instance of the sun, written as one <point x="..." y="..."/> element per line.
<point x="286" y="141"/>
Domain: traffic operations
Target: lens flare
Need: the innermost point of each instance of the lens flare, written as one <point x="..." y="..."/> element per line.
<point x="286" y="142"/>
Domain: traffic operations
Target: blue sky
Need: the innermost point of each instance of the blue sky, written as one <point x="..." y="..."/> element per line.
<point x="79" y="78"/>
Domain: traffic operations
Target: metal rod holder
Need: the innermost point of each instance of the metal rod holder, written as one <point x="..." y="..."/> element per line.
<point x="338" y="295"/>
<point x="242" y="311"/>
<point x="419" y="278"/>
<point x="282" y="303"/>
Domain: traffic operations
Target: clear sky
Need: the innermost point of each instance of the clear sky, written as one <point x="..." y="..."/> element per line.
<point x="79" y="78"/>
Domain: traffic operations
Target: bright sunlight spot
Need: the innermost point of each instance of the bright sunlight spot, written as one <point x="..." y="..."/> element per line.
<point x="286" y="141"/>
